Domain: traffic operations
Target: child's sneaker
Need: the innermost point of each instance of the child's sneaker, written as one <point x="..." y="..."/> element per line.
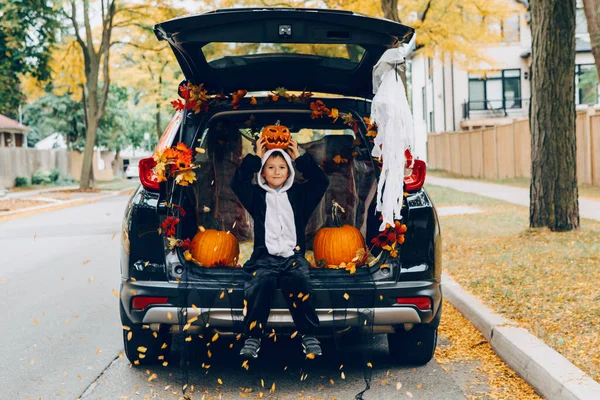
<point x="251" y="348"/>
<point x="311" y="344"/>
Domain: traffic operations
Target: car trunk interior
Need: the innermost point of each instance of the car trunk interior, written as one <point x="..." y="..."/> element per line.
<point x="341" y="153"/>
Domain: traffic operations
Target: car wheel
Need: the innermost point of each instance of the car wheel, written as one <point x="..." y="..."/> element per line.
<point x="413" y="347"/>
<point x="142" y="345"/>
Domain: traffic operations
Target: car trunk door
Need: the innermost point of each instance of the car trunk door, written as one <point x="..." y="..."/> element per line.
<point x="319" y="50"/>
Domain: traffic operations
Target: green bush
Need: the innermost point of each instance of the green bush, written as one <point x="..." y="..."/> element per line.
<point x="54" y="175"/>
<point x="21" y="181"/>
<point x="41" y="177"/>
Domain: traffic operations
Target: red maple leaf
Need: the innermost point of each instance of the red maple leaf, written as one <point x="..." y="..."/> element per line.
<point x="186" y="244"/>
<point x="168" y="226"/>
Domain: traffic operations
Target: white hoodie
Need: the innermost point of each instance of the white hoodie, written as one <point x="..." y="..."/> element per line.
<point x="280" y="228"/>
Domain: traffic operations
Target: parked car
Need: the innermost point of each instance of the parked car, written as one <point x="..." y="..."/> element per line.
<point x="330" y="53"/>
<point x="132" y="170"/>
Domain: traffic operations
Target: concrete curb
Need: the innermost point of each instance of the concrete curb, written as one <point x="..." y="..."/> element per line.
<point x="552" y="375"/>
<point x="25" y="212"/>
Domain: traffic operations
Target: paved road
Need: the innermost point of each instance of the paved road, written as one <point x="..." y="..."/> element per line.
<point x="60" y="335"/>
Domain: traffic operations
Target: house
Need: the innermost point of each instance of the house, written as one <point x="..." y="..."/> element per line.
<point x="12" y="133"/>
<point x="448" y="98"/>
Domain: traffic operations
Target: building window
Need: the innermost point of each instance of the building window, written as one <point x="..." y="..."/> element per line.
<point x="511" y="29"/>
<point x="496" y="90"/>
<point x="586" y="81"/>
<point x="580" y="22"/>
<point x="431" y="122"/>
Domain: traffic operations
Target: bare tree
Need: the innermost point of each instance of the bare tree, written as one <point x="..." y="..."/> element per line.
<point x="554" y="193"/>
<point x="592" y="15"/>
<point x="96" y="64"/>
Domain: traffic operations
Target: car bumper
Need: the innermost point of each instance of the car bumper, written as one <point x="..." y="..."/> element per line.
<point x="373" y="306"/>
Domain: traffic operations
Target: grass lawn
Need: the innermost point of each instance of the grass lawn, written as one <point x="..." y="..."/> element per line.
<point x="548" y="282"/>
<point x="585" y="189"/>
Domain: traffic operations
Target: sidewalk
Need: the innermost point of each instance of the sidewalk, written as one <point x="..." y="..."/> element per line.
<point x="55" y="198"/>
<point x="588" y="208"/>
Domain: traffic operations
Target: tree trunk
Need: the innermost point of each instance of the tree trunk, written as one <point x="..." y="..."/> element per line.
<point x="592" y="15"/>
<point x="390" y="11"/>
<point x="553" y="192"/>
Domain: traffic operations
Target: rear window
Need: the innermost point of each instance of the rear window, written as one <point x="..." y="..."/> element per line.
<point x="348" y="52"/>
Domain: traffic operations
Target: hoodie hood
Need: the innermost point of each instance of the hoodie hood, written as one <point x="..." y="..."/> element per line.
<point x="289" y="181"/>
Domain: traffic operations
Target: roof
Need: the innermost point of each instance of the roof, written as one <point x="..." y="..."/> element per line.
<point x="10" y="125"/>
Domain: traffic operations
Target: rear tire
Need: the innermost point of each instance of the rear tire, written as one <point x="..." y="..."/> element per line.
<point x="141" y="338"/>
<point x="413" y="347"/>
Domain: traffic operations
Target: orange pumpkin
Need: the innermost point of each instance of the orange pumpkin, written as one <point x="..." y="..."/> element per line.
<point x="212" y="247"/>
<point x="340" y="244"/>
<point x="276" y="136"/>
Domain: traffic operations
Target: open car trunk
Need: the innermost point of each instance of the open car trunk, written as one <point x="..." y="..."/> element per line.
<point x="342" y="154"/>
<point x="258" y="49"/>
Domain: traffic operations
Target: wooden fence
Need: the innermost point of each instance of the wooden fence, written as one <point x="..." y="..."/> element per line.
<point x="504" y="151"/>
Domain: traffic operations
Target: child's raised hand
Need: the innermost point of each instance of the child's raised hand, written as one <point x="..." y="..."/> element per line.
<point x="260" y="147"/>
<point x="293" y="149"/>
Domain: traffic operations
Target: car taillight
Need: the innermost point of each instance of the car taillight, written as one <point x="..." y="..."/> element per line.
<point x="146" y="165"/>
<point x="422" y="303"/>
<point x="416" y="179"/>
<point x="147" y="175"/>
<point x="141" y="302"/>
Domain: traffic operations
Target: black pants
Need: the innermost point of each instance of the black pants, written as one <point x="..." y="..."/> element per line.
<point x="290" y="274"/>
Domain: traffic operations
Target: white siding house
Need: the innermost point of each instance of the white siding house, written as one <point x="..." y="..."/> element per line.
<point x="446" y="97"/>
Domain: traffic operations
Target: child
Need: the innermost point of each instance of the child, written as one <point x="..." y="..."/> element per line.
<point x="281" y="210"/>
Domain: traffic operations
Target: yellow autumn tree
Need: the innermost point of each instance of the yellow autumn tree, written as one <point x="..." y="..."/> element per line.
<point x="456" y="27"/>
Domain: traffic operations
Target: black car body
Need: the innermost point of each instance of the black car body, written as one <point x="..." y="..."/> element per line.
<point x="399" y="296"/>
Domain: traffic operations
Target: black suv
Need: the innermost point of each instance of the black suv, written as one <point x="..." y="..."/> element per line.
<point x="325" y="57"/>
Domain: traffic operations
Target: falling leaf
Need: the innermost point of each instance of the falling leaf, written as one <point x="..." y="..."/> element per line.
<point x="331" y="381"/>
<point x="220" y="381"/>
<point x="222" y="295"/>
<point x="346" y="296"/>
<point x="113" y="236"/>
<point x="245" y="364"/>
<point x="169" y="315"/>
<point x="79" y="376"/>
<point x="115" y="293"/>
<point x="398" y="386"/>
<point x="294" y="335"/>
<point x="381" y="297"/>
<point x="152" y="377"/>
<point x="35" y="321"/>
<point x="252" y="325"/>
<point x="419" y="386"/>
<point x="129" y="335"/>
<point x="272" y="388"/>
<point x="305" y="298"/>
<point x="300" y="295"/>
<point x="343" y="375"/>
<point x="164" y="364"/>
<point x="86" y="261"/>
<point x="262" y="383"/>
<point x="32" y="361"/>
<point x="188" y="339"/>
<point x="208" y="352"/>
<point x="215" y="337"/>
<point x="98" y="351"/>
<point x="369" y="365"/>
<point x="142" y="349"/>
